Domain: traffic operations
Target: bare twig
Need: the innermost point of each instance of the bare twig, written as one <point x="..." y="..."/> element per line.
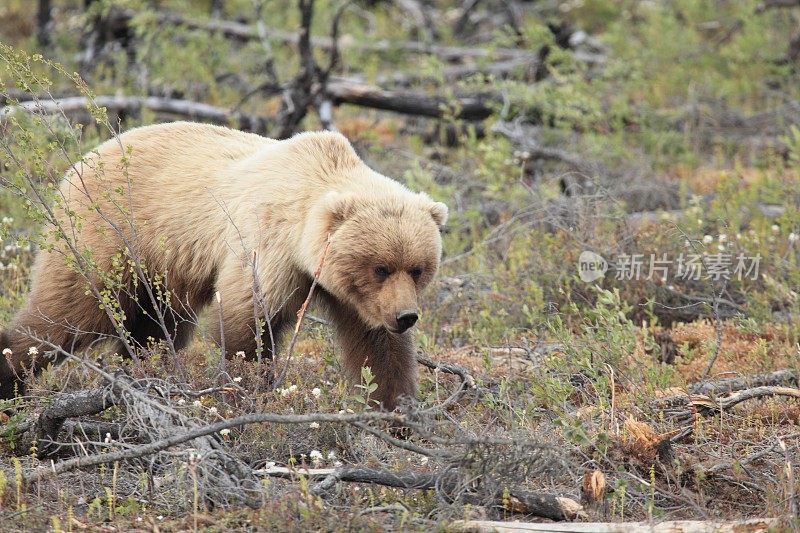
<point x="792" y="497"/>
<point x="300" y="314"/>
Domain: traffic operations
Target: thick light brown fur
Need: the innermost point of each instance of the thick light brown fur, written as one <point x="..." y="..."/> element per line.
<point x="209" y="209"/>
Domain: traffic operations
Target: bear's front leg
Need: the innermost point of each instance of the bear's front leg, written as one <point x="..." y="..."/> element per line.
<point x="391" y="357"/>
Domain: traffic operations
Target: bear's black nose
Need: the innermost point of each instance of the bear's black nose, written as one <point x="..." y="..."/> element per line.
<point x="406" y="319"/>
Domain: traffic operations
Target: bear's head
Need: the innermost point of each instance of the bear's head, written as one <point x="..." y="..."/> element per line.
<point x="384" y="249"/>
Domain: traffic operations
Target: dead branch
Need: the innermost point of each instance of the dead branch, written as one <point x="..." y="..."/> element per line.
<point x="467" y="381"/>
<point x="786" y="377"/>
<point x="467" y="107"/>
<point x="524" y="140"/>
<point x="525" y="67"/>
<point x="445" y="483"/>
<point x="717" y="468"/>
<point x="49" y="471"/>
<point x="76" y="105"/>
<point x="247" y="32"/>
<point x="773" y="4"/>
<point x="685" y="408"/>
<point x="66" y="406"/>
<point x="756" y="525"/>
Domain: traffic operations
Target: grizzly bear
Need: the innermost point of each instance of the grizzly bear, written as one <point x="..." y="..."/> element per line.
<point x="163" y="221"/>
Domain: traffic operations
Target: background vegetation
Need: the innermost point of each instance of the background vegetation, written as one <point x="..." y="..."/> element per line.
<point x="549" y="128"/>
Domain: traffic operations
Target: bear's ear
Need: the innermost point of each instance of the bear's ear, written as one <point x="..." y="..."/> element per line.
<point x="338" y="208"/>
<point x="439" y="213"/>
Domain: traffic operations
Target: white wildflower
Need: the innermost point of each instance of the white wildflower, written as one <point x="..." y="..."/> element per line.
<point x="269" y="465"/>
<point x="108" y="438"/>
<point x="331" y="455"/>
<point x="720" y="247"/>
<point x="316" y="457"/>
<point x="197" y="403"/>
<point x="224" y="432"/>
<point x="212" y="410"/>
<point x="240" y="354"/>
<point x="237" y="379"/>
<point x="314" y="425"/>
<point x="776" y="228"/>
<point x="708" y="239"/>
<point x="33" y="350"/>
<point x="288" y="391"/>
<point x="424" y="460"/>
<point x="793" y="237"/>
<point x="337" y="464"/>
<point x="181" y="401"/>
<point x="8" y="220"/>
<point x="7" y="352"/>
<point x="722" y="237"/>
<point x="316" y="392"/>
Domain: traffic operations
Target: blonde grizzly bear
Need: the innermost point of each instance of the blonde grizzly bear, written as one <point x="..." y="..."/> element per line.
<point x="211" y="211"/>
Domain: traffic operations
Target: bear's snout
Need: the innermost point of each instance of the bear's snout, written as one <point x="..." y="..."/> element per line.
<point x="405" y="320"/>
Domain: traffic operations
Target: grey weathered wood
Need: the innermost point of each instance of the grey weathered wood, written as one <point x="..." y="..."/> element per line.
<point x="756" y="525"/>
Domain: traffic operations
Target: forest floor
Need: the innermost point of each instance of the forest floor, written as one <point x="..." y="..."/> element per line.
<point x="658" y="138"/>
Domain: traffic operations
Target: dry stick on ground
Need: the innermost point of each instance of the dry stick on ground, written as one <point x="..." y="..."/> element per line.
<point x="694" y="404"/>
<point x="785" y="377"/>
<point x="750" y="458"/>
<point x="78" y="104"/>
<point x="301" y="313"/>
<point x="789" y="478"/>
<point x="524" y="502"/>
<point x="468" y="107"/>
<point x="756" y="525"/>
<point x="467" y="381"/>
<point x="66" y="406"/>
<point x="539" y="504"/>
<point x="523" y="139"/>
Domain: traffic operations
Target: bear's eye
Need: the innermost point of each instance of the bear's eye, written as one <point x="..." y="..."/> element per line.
<point x="382" y="272"/>
<point x="415" y="273"/>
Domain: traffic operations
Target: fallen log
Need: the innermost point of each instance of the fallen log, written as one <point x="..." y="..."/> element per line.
<point x="540" y="504"/>
<point x="469" y="107"/>
<point x="780" y="378"/>
<point x="687" y="407"/>
<point x="755" y="525"/>
<point x="786" y="377"/>
<point x="184" y="108"/>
